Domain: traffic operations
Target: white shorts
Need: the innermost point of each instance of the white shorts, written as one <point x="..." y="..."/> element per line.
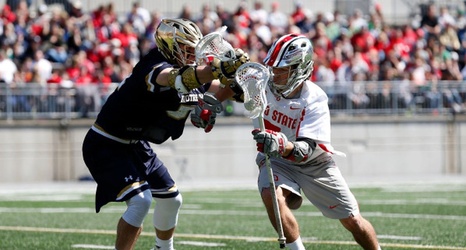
<point x="320" y="181"/>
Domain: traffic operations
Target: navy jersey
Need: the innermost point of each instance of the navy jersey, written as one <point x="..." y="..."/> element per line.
<point x="140" y="109"/>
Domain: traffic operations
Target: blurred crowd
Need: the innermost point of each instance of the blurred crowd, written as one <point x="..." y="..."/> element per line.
<point x="56" y="47"/>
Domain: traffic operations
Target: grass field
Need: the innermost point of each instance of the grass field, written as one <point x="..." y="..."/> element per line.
<point x="422" y="216"/>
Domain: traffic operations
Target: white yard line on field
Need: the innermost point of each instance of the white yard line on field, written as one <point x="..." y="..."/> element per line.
<point x="90" y="246"/>
<point x="228" y="212"/>
<point x="200" y="243"/>
<point x="191" y="243"/>
<point x="397" y="237"/>
<point x="222" y="237"/>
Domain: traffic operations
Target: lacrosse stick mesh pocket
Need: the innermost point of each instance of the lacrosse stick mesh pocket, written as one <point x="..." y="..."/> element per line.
<point x="252" y="77"/>
<point x="213" y="45"/>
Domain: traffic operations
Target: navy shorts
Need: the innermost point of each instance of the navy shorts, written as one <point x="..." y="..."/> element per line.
<point x="123" y="170"/>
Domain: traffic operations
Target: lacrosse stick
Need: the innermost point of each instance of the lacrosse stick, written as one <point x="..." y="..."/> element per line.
<point x="252" y="78"/>
<point x="213" y="45"/>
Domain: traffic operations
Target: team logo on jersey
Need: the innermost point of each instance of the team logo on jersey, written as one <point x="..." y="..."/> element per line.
<point x="281" y="118"/>
<point x="190" y="99"/>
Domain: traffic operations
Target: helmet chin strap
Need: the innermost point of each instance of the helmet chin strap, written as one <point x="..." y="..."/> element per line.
<point x="296" y="93"/>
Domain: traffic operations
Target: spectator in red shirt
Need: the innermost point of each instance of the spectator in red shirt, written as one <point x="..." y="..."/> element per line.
<point x="108" y="29"/>
<point x="126" y="36"/>
<point x="7" y="15"/>
<point x="398" y="44"/>
<point x="362" y="40"/>
<point x="56" y="77"/>
<point x="101" y="79"/>
<point x="238" y="37"/>
<point x="298" y="16"/>
<point x="242" y="16"/>
<point x="322" y="44"/>
<point x="335" y="59"/>
<point x="84" y="77"/>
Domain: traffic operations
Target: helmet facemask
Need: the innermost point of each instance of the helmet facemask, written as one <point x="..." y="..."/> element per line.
<point x="184" y="54"/>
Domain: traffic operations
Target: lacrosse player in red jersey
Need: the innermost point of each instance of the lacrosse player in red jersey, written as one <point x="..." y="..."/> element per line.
<point x="297" y="140"/>
<point x="152" y="105"/>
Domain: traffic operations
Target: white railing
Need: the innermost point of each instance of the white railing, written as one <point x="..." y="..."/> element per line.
<point x="52" y="102"/>
<point x="353" y="98"/>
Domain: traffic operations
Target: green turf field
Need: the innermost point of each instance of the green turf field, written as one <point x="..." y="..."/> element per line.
<point x="405" y="217"/>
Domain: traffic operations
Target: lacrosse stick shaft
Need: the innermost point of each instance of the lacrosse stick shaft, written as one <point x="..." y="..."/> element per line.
<point x="253" y="78"/>
<point x="273" y="191"/>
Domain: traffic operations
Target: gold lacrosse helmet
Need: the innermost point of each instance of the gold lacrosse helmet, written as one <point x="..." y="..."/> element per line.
<point x="176" y="39"/>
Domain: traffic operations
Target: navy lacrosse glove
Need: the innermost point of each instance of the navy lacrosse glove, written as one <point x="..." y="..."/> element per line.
<point x="206" y="111"/>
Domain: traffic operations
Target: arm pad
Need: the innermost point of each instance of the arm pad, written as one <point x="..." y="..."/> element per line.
<point x="303" y="148"/>
<point x="184" y="79"/>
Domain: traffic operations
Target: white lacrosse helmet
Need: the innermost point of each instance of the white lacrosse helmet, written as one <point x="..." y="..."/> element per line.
<point x="171" y="33"/>
<point x="290" y="50"/>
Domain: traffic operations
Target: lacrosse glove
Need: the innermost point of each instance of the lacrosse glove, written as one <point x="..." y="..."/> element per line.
<point x="270" y="142"/>
<point x="206" y="111"/>
<point x="225" y="70"/>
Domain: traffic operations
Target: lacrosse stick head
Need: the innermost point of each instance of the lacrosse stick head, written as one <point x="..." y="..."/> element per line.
<point x="252" y="78"/>
<point x="213" y="45"/>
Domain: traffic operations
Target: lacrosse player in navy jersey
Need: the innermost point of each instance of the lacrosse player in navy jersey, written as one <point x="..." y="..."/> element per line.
<point x="297" y="139"/>
<point x="152" y="105"/>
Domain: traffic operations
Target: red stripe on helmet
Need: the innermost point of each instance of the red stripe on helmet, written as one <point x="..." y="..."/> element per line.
<point x="278" y="47"/>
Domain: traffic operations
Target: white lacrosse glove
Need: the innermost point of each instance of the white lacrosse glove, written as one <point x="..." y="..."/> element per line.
<point x="225" y="70"/>
<point x="206" y="111"/>
<point x="270" y="142"/>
